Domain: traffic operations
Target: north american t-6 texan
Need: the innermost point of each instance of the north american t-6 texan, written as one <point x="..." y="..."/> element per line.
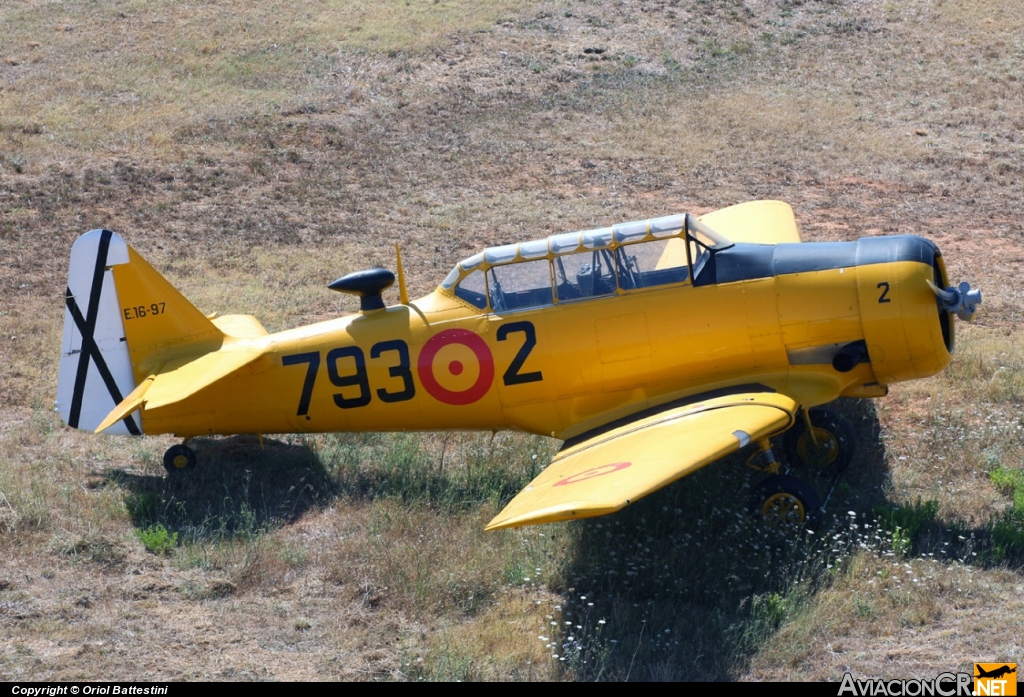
<point x="652" y="348"/>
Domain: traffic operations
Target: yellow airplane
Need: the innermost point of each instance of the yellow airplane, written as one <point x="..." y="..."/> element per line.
<point x="652" y="348"/>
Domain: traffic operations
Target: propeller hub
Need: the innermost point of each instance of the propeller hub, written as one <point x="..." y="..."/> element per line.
<point x="961" y="300"/>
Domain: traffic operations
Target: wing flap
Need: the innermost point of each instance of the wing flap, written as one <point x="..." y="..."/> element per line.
<point x="607" y="472"/>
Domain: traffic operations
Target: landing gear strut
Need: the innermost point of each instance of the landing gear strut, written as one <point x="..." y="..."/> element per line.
<point x="179" y="458"/>
<point x="819" y="443"/>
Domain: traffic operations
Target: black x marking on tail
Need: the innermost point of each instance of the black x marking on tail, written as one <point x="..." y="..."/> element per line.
<point x="90" y="351"/>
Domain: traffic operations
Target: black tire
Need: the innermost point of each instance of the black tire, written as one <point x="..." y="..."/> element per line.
<point x="179" y="458"/>
<point x="785" y="500"/>
<point x="835" y="443"/>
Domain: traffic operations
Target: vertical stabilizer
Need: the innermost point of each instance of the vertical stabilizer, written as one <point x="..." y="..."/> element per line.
<point x="159" y="323"/>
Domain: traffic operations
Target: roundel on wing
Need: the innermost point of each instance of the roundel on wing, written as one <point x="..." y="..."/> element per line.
<point x="456" y="367"/>
<point x="599" y="471"/>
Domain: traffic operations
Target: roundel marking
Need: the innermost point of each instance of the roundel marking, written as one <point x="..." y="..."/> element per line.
<point x="425" y="366"/>
<point x="599" y="471"/>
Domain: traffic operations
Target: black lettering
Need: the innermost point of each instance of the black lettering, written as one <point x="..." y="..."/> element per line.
<point x="512" y="375"/>
<point x="313" y="359"/>
<point x="402" y="370"/>
<point x="884" y="285"/>
<point x="359" y="378"/>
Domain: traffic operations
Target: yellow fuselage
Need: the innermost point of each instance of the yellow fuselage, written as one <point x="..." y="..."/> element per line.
<point x="571" y="366"/>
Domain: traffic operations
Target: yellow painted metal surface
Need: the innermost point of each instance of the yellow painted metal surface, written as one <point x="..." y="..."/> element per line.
<point x="903" y="338"/>
<point x="129" y="404"/>
<point x="611" y="470"/>
<point x="760" y="222"/>
<point x="180" y="378"/>
<point x="159" y="323"/>
<point x="239" y="326"/>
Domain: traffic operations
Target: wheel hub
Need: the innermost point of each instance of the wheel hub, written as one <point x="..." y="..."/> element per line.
<point x="818" y="454"/>
<point x="782" y="508"/>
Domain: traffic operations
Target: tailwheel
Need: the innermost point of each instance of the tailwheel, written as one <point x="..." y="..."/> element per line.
<point x="786" y="500"/>
<point x="179" y="458"/>
<point x="827" y="446"/>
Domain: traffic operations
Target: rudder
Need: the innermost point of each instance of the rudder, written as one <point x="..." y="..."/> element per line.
<point x="95" y="368"/>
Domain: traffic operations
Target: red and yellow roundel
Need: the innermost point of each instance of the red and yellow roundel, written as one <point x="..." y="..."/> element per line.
<point x="599" y="471"/>
<point x="456" y="367"/>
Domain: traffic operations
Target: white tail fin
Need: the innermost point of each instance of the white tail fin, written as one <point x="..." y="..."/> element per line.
<point x="95" y="367"/>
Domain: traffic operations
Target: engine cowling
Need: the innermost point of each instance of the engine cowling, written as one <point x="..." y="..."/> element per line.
<point x="908" y="331"/>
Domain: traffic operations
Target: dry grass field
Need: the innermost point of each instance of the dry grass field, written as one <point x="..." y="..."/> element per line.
<point x="255" y="151"/>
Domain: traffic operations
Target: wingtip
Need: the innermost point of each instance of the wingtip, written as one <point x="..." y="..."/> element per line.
<point x="573" y="510"/>
<point x="500" y="523"/>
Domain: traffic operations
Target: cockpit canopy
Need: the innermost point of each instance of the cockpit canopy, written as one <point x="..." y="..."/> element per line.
<point x="590" y="263"/>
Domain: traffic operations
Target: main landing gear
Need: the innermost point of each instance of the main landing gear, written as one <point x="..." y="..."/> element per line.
<point x="819" y="444"/>
<point x="179" y="458"/>
<point x="783" y="499"/>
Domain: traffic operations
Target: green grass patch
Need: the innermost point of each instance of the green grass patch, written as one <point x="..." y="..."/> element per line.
<point x="906" y="523"/>
<point x="453" y="471"/>
<point x="157" y="539"/>
<point x="1007" y="530"/>
<point x="1011" y="483"/>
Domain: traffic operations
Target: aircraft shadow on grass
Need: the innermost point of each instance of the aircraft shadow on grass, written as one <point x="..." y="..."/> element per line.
<point x="689" y="585"/>
<point x="246" y="488"/>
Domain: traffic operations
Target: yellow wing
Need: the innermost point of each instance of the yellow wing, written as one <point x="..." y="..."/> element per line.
<point x="760" y="222"/>
<point x="607" y="472"/>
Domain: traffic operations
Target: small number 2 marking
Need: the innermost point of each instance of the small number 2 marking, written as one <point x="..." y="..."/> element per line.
<point x="884" y="285"/>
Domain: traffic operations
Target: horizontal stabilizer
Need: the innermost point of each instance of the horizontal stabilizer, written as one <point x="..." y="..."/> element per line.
<point x="180" y="379"/>
<point x="607" y="472"/>
<point x="183" y="377"/>
<point x="240" y="326"/>
<point x="129" y="404"/>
